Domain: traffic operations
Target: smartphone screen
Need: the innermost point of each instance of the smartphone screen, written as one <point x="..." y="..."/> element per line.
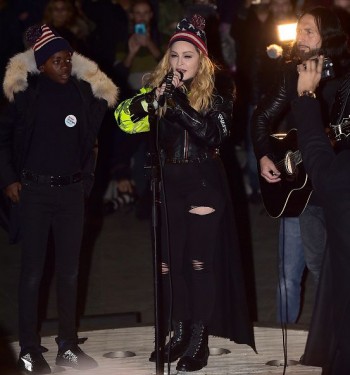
<point x="140" y="28"/>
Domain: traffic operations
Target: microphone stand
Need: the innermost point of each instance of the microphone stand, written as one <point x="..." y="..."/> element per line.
<point x="155" y="189"/>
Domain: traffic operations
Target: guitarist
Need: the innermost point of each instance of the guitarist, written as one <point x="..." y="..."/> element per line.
<point x="302" y="240"/>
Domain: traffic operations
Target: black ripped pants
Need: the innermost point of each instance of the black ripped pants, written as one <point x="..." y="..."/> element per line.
<point x="192" y="238"/>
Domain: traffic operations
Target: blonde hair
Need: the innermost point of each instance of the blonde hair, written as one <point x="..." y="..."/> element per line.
<point x="202" y="86"/>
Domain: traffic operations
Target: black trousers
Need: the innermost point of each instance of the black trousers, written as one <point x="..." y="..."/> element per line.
<point x="60" y="209"/>
<point x="189" y="241"/>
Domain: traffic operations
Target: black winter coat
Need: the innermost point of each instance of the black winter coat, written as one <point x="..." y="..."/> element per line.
<point x="18" y="119"/>
<point x="17" y="125"/>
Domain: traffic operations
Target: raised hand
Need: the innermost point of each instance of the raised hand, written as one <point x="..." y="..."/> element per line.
<point x="309" y="75"/>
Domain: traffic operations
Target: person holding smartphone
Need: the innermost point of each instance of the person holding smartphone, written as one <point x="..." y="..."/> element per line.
<point x="139" y="58"/>
<point x="143" y="51"/>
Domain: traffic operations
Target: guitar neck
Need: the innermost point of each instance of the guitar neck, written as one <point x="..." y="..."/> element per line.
<point x="297" y="157"/>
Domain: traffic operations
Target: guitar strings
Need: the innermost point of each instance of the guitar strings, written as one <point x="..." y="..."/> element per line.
<point x="295" y="154"/>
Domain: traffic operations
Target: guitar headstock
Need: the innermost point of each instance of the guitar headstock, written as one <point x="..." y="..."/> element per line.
<point x="340" y="131"/>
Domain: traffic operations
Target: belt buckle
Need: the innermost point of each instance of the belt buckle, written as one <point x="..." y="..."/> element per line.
<point x="55" y="181"/>
<point x="29" y="176"/>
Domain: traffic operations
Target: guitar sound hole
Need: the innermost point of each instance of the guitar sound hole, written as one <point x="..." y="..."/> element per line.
<point x="289" y="163"/>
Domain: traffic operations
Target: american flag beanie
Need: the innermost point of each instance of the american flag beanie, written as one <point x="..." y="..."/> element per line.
<point x="45" y="42"/>
<point x="191" y="31"/>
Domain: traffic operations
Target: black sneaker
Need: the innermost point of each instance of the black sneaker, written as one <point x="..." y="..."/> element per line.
<point x="33" y="363"/>
<point x="76" y="358"/>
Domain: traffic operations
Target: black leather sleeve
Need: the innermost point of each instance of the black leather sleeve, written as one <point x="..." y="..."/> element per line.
<point x="136" y="108"/>
<point x="212" y="127"/>
<point x="270" y="109"/>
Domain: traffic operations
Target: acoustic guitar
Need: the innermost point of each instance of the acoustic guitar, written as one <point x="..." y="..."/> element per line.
<point x="289" y="196"/>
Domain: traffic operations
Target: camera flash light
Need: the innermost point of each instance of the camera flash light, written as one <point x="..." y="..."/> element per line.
<point x="287" y="32"/>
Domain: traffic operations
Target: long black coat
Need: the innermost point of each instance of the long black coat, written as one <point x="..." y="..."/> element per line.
<point x="328" y="343"/>
<point x="184" y="134"/>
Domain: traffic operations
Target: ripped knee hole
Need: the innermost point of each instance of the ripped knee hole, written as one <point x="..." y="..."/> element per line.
<point x="165" y="269"/>
<point x="201" y="210"/>
<point x="197" y="265"/>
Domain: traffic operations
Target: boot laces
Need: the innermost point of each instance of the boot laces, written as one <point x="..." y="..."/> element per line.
<point x="178" y="334"/>
<point x="196" y="340"/>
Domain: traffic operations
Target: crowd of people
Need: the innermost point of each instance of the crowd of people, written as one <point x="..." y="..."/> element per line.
<point x="107" y="84"/>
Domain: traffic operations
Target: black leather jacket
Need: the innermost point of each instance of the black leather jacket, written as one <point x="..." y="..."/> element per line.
<point x="185" y="135"/>
<point x="341" y="108"/>
<point x="277" y="103"/>
<point x="341" y="115"/>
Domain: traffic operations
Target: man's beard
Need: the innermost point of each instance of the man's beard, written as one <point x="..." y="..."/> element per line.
<point x="306" y="55"/>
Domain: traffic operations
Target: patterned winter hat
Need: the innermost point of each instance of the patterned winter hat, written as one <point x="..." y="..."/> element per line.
<point x="191" y="31"/>
<point x="45" y="42"/>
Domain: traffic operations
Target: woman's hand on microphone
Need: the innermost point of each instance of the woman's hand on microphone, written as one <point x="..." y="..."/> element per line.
<point x="177" y="79"/>
<point x="176" y="82"/>
<point x="160" y="91"/>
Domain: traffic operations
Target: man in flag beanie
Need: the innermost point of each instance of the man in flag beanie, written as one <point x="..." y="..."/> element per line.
<point x="46" y="43"/>
<point x="56" y="102"/>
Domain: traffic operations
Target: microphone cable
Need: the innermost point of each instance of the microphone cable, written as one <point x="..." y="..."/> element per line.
<point x="283" y="319"/>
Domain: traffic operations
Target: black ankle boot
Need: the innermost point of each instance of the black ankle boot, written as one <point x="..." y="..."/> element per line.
<point x="178" y="343"/>
<point x="197" y="353"/>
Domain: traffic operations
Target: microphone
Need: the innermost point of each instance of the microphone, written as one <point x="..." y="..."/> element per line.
<point x="181" y="75"/>
<point x="169" y="87"/>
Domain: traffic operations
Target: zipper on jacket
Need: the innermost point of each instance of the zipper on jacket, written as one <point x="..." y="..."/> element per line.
<point x="186" y="145"/>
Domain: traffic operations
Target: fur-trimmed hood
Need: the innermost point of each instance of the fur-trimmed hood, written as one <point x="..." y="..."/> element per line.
<point x="22" y="64"/>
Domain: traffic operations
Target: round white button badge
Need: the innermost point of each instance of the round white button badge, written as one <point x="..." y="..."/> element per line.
<point x="70" y="121"/>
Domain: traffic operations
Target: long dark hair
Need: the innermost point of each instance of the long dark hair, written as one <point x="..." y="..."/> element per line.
<point x="334" y="39"/>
